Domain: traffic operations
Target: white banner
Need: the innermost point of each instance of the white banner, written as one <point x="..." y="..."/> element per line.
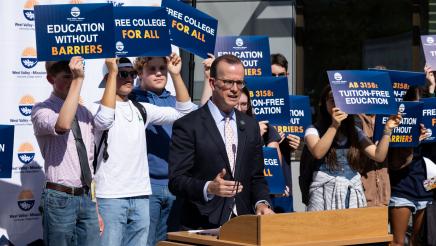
<point x="22" y="83"/>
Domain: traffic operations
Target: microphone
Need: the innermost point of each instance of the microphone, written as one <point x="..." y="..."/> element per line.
<point x="241" y="125"/>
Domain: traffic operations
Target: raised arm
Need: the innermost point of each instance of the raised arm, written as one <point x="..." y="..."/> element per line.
<point x="320" y="146"/>
<point x="157" y="115"/>
<point x="105" y="114"/>
<point x="174" y="63"/>
<point x="429" y="74"/>
<point x="109" y="94"/>
<point x="207" y="90"/>
<point x="378" y="152"/>
<point x="69" y="108"/>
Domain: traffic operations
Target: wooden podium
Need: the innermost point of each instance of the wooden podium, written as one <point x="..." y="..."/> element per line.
<point x="338" y="227"/>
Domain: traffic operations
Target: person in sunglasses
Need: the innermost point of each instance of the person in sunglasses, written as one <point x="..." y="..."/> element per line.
<point x="153" y="77"/>
<point x="122" y="177"/>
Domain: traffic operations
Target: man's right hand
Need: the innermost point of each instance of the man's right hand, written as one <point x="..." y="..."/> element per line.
<point x="76" y="67"/>
<point x="207" y="63"/>
<point x="111" y="64"/>
<point x="337" y="117"/>
<point x="224" y="188"/>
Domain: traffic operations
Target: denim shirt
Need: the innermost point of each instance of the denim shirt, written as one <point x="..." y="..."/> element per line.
<point x="344" y="169"/>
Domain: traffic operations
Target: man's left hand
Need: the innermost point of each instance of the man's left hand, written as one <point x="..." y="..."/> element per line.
<point x="263" y="209"/>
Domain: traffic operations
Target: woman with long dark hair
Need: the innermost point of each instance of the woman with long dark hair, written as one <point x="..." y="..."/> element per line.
<point x="407" y="172"/>
<point x="337" y="145"/>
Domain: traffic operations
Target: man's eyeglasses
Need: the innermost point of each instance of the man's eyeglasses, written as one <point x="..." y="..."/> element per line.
<point x="125" y="74"/>
<point x="278" y="74"/>
<point x="228" y="83"/>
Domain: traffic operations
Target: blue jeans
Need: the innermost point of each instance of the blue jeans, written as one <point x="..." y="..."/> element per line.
<point x="126" y="220"/>
<point x="161" y="202"/>
<point x="68" y="220"/>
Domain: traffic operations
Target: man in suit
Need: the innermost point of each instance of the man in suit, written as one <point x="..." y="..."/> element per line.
<point x="216" y="159"/>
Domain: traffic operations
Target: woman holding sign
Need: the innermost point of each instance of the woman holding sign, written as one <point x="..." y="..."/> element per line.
<point x="407" y="171"/>
<point x="336" y="145"/>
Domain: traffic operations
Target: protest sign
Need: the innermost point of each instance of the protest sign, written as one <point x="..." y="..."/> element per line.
<point x="67" y="30"/>
<point x="6" y="150"/>
<point x="366" y="91"/>
<point x="252" y="50"/>
<point x="269" y="99"/>
<point x="141" y="31"/>
<point x="300" y="116"/>
<point x="429" y="47"/>
<point x="190" y="28"/>
<point x="273" y="171"/>
<point x="429" y="118"/>
<point x="407" y="133"/>
<point x="403" y="80"/>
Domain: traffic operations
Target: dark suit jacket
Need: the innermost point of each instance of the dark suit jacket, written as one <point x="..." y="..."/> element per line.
<point x="197" y="155"/>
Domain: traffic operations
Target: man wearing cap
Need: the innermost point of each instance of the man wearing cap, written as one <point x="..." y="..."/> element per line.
<point x="122" y="177"/>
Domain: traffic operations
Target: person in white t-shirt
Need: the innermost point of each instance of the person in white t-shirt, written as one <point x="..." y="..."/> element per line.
<point x="122" y="178"/>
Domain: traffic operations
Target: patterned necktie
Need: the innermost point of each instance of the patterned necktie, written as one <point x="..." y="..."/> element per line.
<point x="230" y="143"/>
<point x="231" y="154"/>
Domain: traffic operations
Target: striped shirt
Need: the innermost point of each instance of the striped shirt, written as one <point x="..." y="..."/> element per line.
<point x="59" y="151"/>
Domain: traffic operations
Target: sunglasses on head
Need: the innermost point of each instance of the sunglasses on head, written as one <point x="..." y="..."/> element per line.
<point x="278" y="74"/>
<point x="126" y="74"/>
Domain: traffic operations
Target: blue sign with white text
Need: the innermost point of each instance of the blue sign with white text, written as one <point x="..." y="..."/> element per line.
<point x="429" y="118"/>
<point x="190" y="28"/>
<point x="67" y="30"/>
<point x="408" y="132"/>
<point x="252" y="50"/>
<point x="273" y="171"/>
<point x="269" y="99"/>
<point x="6" y="150"/>
<point x="141" y="31"/>
<point x="403" y="80"/>
<point x="429" y="47"/>
<point x="368" y="92"/>
<point x="300" y="116"/>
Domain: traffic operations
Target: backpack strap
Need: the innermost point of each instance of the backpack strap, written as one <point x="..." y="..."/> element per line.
<point x="141" y="109"/>
<point x="97" y="150"/>
<point x="104" y="136"/>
